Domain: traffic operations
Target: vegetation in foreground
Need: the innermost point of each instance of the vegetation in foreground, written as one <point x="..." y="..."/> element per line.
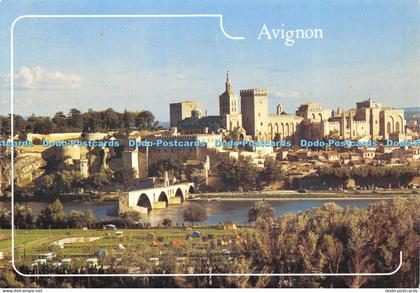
<point x="328" y="239"/>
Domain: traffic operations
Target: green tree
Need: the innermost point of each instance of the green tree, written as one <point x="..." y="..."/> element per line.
<point x="125" y="177"/>
<point x="167" y="222"/>
<point x="145" y="120"/>
<point x="90" y="218"/>
<point x="75" y="119"/>
<point x="75" y="219"/>
<point x="261" y="210"/>
<point x="101" y="178"/>
<point x="5" y="218"/>
<point x="60" y="121"/>
<point x="239" y="174"/>
<point x="52" y="216"/>
<point x="24" y="217"/>
<point x="175" y="168"/>
<point x="272" y="170"/>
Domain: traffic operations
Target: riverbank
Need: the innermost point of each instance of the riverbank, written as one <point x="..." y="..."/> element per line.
<point x="293" y="198"/>
<point x="295" y="195"/>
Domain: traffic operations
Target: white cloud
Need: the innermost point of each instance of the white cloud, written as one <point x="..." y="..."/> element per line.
<point x="38" y="78"/>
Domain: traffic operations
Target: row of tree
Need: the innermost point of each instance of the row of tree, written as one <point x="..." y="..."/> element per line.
<point x="242" y="174"/>
<point x="329" y="239"/>
<point x="332" y="239"/>
<point x="67" y="181"/>
<point x="75" y="120"/>
<point x="52" y="216"/>
<point x="401" y="175"/>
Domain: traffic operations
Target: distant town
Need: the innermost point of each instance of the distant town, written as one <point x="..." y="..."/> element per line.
<point x="129" y="151"/>
<point x="105" y="181"/>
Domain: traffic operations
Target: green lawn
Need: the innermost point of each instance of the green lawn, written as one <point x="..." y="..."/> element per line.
<point x="30" y="243"/>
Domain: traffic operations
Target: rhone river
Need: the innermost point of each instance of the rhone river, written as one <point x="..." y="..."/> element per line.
<point x="218" y="211"/>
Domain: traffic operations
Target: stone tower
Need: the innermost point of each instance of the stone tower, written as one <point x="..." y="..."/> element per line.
<point x="228" y="102"/>
<point x="166" y="179"/>
<point x="254" y="107"/>
<point x="84" y="168"/>
<point x="131" y="161"/>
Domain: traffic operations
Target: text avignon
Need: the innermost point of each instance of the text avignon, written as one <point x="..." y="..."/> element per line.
<point x="289" y="36"/>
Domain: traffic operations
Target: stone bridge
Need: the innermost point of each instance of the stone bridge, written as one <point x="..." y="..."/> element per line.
<point x="143" y="200"/>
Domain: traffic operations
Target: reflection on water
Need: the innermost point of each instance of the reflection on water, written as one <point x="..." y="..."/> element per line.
<point x="218" y="211"/>
<point x="100" y="209"/>
<point x="237" y="211"/>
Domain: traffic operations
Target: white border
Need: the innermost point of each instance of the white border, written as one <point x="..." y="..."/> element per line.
<point x="220" y="16"/>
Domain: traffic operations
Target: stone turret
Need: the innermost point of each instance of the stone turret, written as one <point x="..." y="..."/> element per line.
<point x="166" y="178"/>
<point x="207" y="163"/>
<point x="84" y="168"/>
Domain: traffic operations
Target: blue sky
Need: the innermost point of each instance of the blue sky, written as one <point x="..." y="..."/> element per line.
<point x="369" y="49"/>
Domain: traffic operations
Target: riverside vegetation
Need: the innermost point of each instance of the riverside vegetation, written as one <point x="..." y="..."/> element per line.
<point x="329" y="239"/>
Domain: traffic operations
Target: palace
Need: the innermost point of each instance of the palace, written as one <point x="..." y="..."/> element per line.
<point x="369" y="120"/>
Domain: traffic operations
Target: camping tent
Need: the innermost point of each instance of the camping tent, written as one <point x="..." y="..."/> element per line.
<point x="175" y="243"/>
<point x="110" y="227"/>
<point x="154" y="244"/>
<point x="196" y="234"/>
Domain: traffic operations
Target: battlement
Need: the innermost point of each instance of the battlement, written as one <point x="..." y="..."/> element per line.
<point x="335" y="123"/>
<point x="360" y="122"/>
<point x="287" y="116"/>
<point x="194" y="136"/>
<point x="249" y="92"/>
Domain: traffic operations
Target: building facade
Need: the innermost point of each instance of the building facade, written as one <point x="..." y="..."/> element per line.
<point x="180" y="111"/>
<point x="369" y="120"/>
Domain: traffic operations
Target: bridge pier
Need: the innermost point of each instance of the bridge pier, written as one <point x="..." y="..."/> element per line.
<point x="141" y="210"/>
<point x="159" y="205"/>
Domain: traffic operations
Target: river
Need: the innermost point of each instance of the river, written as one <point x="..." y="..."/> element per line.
<point x="218" y="211"/>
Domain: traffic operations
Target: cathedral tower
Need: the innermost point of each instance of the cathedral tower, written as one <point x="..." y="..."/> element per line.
<point x="228" y="102"/>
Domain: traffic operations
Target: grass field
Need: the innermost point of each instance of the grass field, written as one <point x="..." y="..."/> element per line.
<point x="154" y="242"/>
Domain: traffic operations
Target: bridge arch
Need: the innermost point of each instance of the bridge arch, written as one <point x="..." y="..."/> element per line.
<point x="164" y="197"/>
<point x="144" y="201"/>
<point x="179" y="193"/>
<point x="191" y="189"/>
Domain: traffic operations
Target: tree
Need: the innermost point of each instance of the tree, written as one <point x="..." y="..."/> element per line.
<point x="90" y="218"/>
<point x="41" y="125"/>
<point x="75" y="119"/>
<point x="23" y="216"/>
<point x="127" y="120"/>
<point x="52" y="215"/>
<point x="63" y="181"/>
<point x="174" y="167"/>
<point x="194" y="213"/>
<point x="5" y="218"/>
<point x="239" y="174"/>
<point x="19" y="124"/>
<point x="262" y="210"/>
<point x="167" y="222"/>
<point x="111" y="119"/>
<point x="79" y="219"/>
<point x="60" y="121"/>
<point x="145" y="120"/>
<point x="76" y="219"/>
<point x="272" y="171"/>
<point x="125" y="177"/>
<point x="101" y="178"/>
